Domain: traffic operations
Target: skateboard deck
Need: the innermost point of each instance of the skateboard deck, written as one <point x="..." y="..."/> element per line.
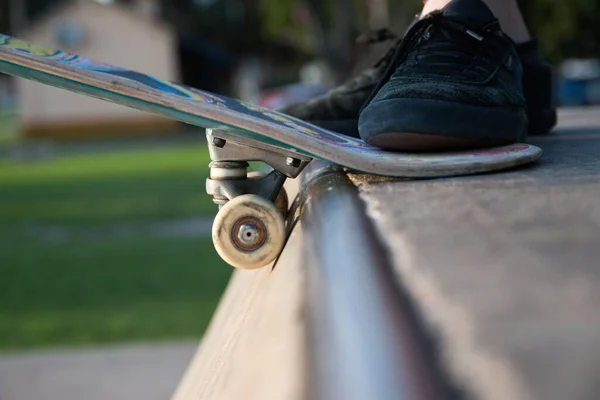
<point x="249" y="230"/>
<point x="247" y="123"/>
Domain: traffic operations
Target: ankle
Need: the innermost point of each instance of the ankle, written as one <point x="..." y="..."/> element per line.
<point x="430" y="6"/>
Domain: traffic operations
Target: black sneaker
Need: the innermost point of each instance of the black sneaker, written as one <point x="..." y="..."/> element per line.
<point x="538" y="89"/>
<point x="455" y="82"/>
<point x="338" y="109"/>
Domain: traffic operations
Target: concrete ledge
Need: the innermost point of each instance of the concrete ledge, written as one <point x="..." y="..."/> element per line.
<point x="505" y="268"/>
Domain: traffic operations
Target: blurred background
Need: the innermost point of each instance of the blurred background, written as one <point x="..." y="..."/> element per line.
<point x="104" y="222"/>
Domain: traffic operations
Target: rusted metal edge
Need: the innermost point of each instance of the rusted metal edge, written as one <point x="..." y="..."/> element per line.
<point x="363" y="338"/>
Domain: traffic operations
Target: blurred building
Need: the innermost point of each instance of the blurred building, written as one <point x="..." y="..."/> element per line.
<point x="131" y="36"/>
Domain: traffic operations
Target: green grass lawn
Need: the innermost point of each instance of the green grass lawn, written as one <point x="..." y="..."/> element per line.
<point x="104" y="188"/>
<point x="8" y="128"/>
<point x="99" y="288"/>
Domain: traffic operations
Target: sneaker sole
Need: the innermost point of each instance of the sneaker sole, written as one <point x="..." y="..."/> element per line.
<point x="423" y="124"/>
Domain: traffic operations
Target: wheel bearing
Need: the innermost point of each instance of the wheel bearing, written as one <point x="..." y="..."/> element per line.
<point x="248" y="233"/>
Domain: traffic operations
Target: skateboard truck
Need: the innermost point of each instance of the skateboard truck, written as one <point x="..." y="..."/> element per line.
<point x="249" y="230"/>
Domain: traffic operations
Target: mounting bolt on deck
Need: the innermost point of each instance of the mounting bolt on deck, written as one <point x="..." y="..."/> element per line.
<point x="292" y="162"/>
<point x="218" y="142"/>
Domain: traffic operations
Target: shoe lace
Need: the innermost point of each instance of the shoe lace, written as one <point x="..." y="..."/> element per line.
<point x="441" y="54"/>
<point x="373" y="37"/>
<point x="454" y="49"/>
<point x="378" y="36"/>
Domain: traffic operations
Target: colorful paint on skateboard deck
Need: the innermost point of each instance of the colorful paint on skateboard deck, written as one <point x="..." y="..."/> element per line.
<point x="249" y="230"/>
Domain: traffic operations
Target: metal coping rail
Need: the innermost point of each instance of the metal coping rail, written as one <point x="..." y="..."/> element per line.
<point x="363" y="339"/>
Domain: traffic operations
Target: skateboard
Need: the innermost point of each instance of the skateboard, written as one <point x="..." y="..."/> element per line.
<point x="249" y="229"/>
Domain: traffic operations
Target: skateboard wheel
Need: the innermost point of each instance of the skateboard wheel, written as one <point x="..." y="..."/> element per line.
<point x="248" y="232"/>
<point x="282" y="201"/>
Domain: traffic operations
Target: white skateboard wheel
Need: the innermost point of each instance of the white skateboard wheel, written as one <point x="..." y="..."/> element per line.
<point x="248" y="232"/>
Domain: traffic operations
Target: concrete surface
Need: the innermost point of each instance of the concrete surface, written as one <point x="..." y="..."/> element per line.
<point x="505" y="268"/>
<point x="132" y="372"/>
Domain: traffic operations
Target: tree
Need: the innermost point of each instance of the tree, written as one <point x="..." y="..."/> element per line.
<point x="324" y="28"/>
<point x="328" y="28"/>
<point x="565" y="28"/>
